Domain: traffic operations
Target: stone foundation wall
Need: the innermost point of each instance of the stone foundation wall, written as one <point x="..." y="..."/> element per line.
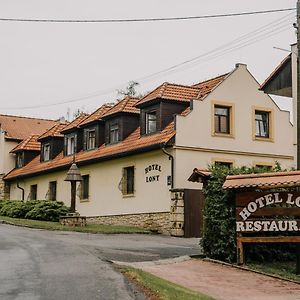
<point x="159" y="222"/>
<point x="177" y="212"/>
<point x="4" y="189"/>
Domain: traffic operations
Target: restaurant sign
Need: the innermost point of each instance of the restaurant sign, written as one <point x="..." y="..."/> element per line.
<point x="275" y="212"/>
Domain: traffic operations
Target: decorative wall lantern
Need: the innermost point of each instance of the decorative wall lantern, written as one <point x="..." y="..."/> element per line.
<point x="73" y="176"/>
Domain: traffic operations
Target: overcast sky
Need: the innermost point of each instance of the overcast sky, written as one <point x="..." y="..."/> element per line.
<point x="50" y="63"/>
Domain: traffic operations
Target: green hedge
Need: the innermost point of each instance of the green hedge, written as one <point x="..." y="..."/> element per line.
<point x="34" y="209"/>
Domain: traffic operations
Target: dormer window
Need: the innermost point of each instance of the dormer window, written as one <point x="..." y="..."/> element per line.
<point x="150" y="122"/>
<point x="46" y="152"/>
<point x="91" y="139"/>
<point x="20" y="160"/>
<point x="70" y="144"/>
<point x="114" y="133"/>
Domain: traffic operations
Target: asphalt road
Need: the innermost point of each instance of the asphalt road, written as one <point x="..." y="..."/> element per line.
<point x="43" y="265"/>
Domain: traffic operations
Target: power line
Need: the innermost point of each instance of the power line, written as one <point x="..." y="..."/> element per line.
<point x="147" y="19"/>
<point x="263" y="32"/>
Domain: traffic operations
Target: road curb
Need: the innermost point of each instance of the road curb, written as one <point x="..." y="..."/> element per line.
<point x="248" y="269"/>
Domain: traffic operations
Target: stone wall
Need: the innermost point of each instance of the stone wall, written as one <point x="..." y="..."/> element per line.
<point x="177" y="212"/>
<point x="4" y="189"/>
<point x="159" y="222"/>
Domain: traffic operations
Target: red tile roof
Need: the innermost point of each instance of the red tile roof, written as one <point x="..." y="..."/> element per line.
<point x="126" y="105"/>
<point x="133" y="143"/>
<point x="54" y="131"/>
<point x="208" y="85"/>
<point x="30" y="143"/>
<point x="19" y="128"/>
<point x="277" y="70"/>
<point x="277" y="179"/>
<point x="96" y="115"/>
<point x="173" y="92"/>
<point x="75" y="123"/>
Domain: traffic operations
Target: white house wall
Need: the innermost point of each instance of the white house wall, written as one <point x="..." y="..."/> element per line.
<point x="105" y="196"/>
<point x="198" y="147"/>
<point x="7" y="160"/>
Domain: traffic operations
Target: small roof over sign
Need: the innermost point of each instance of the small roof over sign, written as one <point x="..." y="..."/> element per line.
<point x="263" y="180"/>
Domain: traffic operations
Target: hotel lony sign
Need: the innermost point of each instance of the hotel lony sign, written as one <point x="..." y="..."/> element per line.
<point x="254" y="214"/>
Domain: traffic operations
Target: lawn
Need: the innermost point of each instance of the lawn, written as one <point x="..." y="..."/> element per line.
<point x="282" y="269"/>
<point x="156" y="288"/>
<point x="90" y="228"/>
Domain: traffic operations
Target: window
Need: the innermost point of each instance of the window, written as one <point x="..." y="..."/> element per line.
<point x="33" y="192"/>
<point x="70" y="144"/>
<point x="91" y="139"/>
<point x="262" y="124"/>
<point x="128" y="181"/>
<point x="263" y="167"/>
<point x="222" y="119"/>
<point x="224" y="164"/>
<point x="46" y="152"/>
<point x="84" y="193"/>
<point x="20" y="160"/>
<point x="52" y="190"/>
<point x="150" y="122"/>
<point x="113" y="133"/>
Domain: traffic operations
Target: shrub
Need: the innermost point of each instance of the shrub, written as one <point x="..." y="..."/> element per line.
<point x="34" y="209"/>
<point x="47" y="211"/>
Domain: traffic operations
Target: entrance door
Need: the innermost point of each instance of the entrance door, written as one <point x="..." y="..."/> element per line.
<point x="193" y="213"/>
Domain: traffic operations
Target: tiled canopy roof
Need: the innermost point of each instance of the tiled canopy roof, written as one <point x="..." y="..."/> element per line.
<point x="55" y="131"/>
<point x="126" y="105"/>
<point x="19" y="128"/>
<point x="75" y="123"/>
<point x="96" y="115"/>
<point x="134" y="143"/>
<point x="30" y="143"/>
<point x="170" y="91"/>
<point x="278" y="179"/>
<point x="208" y="85"/>
<point x="199" y="175"/>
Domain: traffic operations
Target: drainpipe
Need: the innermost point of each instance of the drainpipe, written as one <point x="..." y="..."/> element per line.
<point x="171" y="158"/>
<point x="23" y="191"/>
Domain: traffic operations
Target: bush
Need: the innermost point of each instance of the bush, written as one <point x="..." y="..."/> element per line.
<point x="47" y="211"/>
<point x="34" y="209"/>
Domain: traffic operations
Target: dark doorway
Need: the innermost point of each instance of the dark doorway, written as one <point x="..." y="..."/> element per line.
<point x="193" y="213"/>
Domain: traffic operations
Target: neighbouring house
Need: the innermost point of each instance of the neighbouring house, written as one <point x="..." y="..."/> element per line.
<point x="283" y="82"/>
<point x="136" y="156"/>
<point x="13" y="130"/>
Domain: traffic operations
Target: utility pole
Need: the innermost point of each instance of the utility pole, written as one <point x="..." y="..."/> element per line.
<point x="298" y="86"/>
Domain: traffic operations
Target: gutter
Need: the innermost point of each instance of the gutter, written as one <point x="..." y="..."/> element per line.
<point x="171" y="158"/>
<point x="23" y="191"/>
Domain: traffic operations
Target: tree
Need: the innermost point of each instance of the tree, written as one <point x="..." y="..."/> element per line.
<point x="130" y="90"/>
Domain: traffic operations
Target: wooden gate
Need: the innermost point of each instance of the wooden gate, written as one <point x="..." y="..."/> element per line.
<point x="193" y="213"/>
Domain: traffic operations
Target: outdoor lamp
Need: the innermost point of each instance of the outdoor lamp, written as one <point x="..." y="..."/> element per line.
<point x="73" y="176"/>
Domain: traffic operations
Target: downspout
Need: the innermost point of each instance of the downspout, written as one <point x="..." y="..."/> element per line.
<point x="23" y="191"/>
<point x="171" y="158"/>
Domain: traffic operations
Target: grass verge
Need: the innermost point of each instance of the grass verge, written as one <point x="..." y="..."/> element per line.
<point x="283" y="269"/>
<point x="90" y="228"/>
<point x="156" y="288"/>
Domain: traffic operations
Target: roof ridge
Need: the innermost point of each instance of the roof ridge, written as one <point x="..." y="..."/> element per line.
<point x="210" y="79"/>
<point x="25" y="117"/>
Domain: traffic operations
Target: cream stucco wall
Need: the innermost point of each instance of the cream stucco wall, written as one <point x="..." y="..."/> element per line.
<point x="7" y="160"/>
<point x="294" y="93"/>
<point x="196" y="146"/>
<point x="105" y="196"/>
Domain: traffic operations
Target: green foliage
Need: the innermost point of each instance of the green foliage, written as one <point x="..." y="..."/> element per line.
<point x="34" y="209"/>
<point x="219" y="237"/>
